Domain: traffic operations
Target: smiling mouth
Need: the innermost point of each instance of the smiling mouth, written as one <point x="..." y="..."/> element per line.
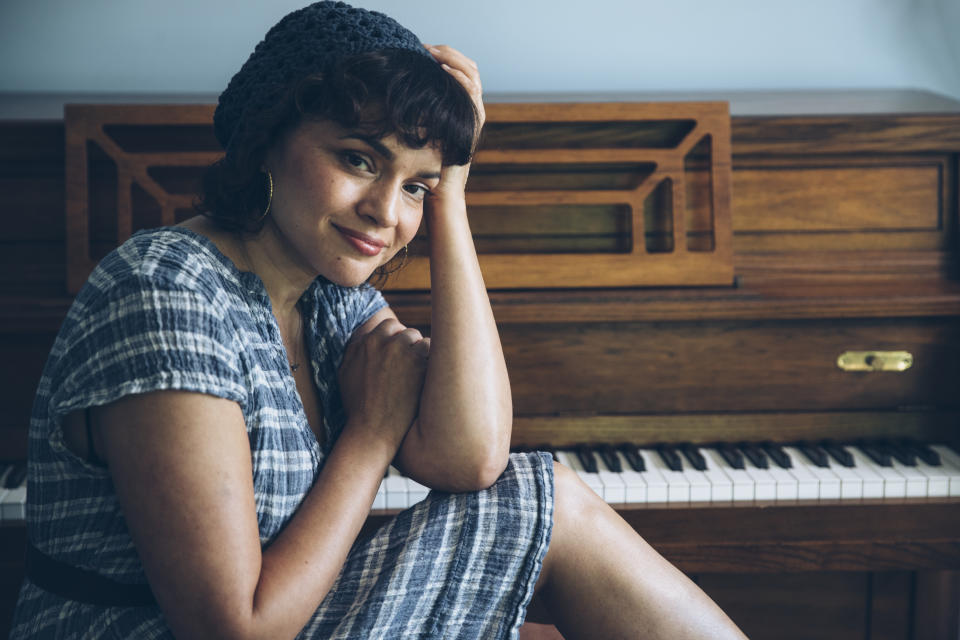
<point x="366" y="245"/>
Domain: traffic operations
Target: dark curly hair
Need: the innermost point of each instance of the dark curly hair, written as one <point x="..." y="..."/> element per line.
<point x="389" y="92"/>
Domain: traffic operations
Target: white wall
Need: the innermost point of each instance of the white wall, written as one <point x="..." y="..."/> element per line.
<point x="194" y="46"/>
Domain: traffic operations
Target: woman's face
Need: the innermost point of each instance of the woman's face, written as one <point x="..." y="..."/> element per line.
<point x="344" y="202"/>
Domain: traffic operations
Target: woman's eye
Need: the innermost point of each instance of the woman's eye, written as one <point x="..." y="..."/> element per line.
<point x="356" y="161"/>
<point x="417" y="190"/>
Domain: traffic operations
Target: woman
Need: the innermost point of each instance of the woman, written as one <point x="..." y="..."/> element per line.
<point x="225" y="396"/>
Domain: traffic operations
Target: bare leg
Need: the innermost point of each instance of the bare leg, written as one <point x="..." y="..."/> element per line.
<point x="602" y="580"/>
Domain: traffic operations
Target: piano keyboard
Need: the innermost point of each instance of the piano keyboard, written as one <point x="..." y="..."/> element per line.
<point x="743" y="474"/>
<point x="13" y="492"/>
<point x="723" y="474"/>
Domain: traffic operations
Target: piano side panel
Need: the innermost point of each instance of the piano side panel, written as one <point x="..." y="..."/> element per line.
<point x="23" y="358"/>
<point x="829" y="606"/>
<point x="32" y="236"/>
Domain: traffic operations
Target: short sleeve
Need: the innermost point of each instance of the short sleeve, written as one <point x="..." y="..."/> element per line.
<point x="347" y="308"/>
<point x="337" y="313"/>
<point x="140" y="335"/>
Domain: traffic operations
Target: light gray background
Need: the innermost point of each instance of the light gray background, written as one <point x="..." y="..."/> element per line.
<point x="194" y="46"/>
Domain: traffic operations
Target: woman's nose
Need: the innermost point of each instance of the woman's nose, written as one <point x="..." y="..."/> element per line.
<point x="379" y="203"/>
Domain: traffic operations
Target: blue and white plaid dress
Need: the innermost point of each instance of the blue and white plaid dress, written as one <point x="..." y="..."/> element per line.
<point x="168" y="311"/>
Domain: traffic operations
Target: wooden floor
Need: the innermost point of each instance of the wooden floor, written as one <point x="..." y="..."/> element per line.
<point x="531" y="631"/>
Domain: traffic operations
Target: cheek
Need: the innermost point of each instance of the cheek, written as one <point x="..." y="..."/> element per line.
<point x="408" y="227"/>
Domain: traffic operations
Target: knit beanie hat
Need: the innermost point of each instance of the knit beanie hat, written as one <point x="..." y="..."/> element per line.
<point x="305" y="42"/>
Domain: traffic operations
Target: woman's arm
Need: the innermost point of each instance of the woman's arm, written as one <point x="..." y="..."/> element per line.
<point x="461" y="439"/>
<point x="180" y="462"/>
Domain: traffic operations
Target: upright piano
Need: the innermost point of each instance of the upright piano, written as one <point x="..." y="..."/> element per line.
<point x="735" y="315"/>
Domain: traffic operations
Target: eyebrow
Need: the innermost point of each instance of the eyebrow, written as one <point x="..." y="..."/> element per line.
<point x="384" y="151"/>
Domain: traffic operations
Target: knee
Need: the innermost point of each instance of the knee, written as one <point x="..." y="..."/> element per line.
<point x="573" y="499"/>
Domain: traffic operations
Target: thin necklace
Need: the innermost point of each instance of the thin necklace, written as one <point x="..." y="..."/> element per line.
<point x="296" y="365"/>
<point x="249" y="264"/>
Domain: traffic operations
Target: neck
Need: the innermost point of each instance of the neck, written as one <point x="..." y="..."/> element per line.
<point x="266" y="255"/>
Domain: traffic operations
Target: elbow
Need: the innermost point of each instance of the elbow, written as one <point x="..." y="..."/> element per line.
<point x="488" y="475"/>
<point x="485" y="470"/>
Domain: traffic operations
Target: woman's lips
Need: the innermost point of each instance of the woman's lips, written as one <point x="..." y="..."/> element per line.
<point x="366" y="245"/>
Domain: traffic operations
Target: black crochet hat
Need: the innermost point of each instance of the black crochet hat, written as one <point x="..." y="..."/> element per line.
<point x="305" y="42"/>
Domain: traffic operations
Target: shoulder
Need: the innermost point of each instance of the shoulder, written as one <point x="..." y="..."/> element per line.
<point x="156" y="313"/>
<point x="168" y="257"/>
<point x="157" y="282"/>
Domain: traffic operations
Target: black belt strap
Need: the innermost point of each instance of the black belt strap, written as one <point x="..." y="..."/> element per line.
<point x="80" y="585"/>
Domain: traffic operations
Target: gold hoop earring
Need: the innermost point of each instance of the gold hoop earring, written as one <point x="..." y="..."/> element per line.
<point x="269" y="196"/>
<point x="403" y="261"/>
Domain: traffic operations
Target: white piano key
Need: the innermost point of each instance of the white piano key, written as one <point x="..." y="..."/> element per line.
<point x="614" y="487"/>
<point x="5" y="470"/>
<point x="950" y="463"/>
<point x="743" y="485"/>
<point x="764" y="485"/>
<point x="808" y="487"/>
<point x="699" y="483"/>
<point x="916" y="480"/>
<point x="721" y="486"/>
<point x="380" y="500"/>
<point x="678" y="487"/>
<point x="634" y="483"/>
<point x="938" y="479"/>
<point x="13" y="504"/>
<point x="851" y="485"/>
<point x="13" y="500"/>
<point x="396" y="485"/>
<point x="828" y="484"/>
<point x="658" y="490"/>
<point x="592" y="480"/>
<point x="416" y="492"/>
<point x="787" y="487"/>
<point x="894" y="483"/>
<point x="872" y="487"/>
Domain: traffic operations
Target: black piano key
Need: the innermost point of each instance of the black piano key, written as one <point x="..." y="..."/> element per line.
<point x="610" y="458"/>
<point x="755" y="455"/>
<point x="693" y="455"/>
<point x="923" y="452"/>
<point x="585" y="455"/>
<point x="732" y="456"/>
<point x="16" y="476"/>
<point x="838" y="453"/>
<point x="875" y="453"/>
<point x="777" y="454"/>
<point x="670" y="457"/>
<point x="814" y="454"/>
<point x="900" y="453"/>
<point x="634" y="459"/>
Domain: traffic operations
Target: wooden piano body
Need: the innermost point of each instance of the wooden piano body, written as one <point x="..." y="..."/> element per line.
<point x="660" y="274"/>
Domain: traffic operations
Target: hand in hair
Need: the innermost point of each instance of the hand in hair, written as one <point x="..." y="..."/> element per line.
<point x="463" y="69"/>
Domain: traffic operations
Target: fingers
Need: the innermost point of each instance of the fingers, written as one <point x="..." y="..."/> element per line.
<point x="392" y="330"/>
<point x="422" y="348"/>
<point x="464" y="70"/>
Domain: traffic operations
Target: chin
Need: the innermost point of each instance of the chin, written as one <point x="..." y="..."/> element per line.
<point x="350" y="278"/>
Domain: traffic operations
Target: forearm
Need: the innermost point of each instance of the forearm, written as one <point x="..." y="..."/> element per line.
<point x="465" y="409"/>
<point x="301" y="565"/>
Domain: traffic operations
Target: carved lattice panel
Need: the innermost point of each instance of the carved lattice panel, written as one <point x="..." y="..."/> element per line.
<point x="560" y="194"/>
<point x="130" y="167"/>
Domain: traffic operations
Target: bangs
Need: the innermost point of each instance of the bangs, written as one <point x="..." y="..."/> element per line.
<point x="395" y="92"/>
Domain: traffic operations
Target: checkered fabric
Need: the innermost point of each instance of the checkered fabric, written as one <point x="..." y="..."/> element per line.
<point x="168" y="311"/>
